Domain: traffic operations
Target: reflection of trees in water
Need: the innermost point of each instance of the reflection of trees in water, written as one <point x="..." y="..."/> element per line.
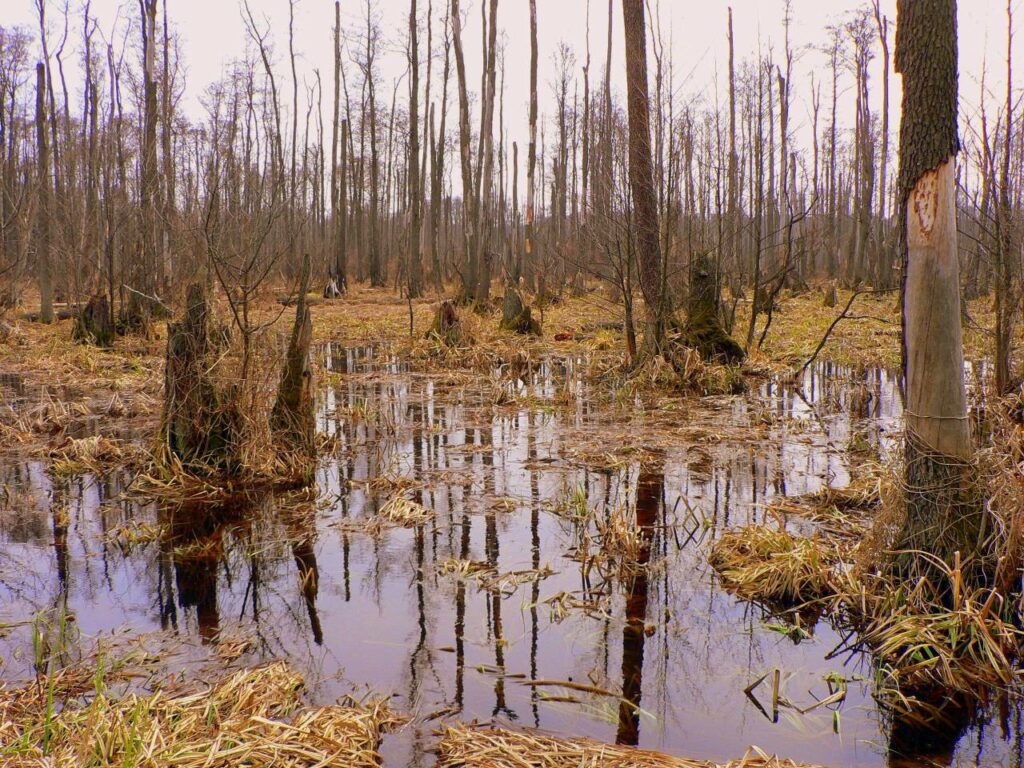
<point x="928" y="735"/>
<point x="196" y="538"/>
<point x="266" y="571"/>
<point x="634" y="635"/>
<point x="304" y="555"/>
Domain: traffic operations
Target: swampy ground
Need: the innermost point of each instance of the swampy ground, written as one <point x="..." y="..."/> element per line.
<point x="469" y="549"/>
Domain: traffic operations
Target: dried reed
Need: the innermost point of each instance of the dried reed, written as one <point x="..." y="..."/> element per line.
<point x="472" y="747"/>
<point x="250" y="718"/>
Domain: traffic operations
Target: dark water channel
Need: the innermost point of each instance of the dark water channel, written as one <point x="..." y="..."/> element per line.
<point x="660" y="658"/>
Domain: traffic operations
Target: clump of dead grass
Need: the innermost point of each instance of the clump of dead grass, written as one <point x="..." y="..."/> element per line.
<point x="252" y="717"/>
<point x="607" y="540"/>
<point x="769" y="564"/>
<point x="397" y="512"/>
<point x="845" y="512"/>
<point x="489" y="578"/>
<point x="933" y="637"/>
<point x="474" y="747"/>
<point x="688" y="372"/>
<point x="921" y="646"/>
<point x="96" y="455"/>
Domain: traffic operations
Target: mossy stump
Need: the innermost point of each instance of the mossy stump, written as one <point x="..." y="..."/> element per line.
<point x="447" y="327"/>
<point x="517" y="317"/>
<point x="704" y="331"/>
<point x="198" y="423"/>
<point x="94" y="324"/>
<point x="831" y="297"/>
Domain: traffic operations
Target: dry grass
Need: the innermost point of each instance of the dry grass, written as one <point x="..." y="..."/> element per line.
<point x="472" y="747"/>
<point x="96" y="455"/>
<point x="771" y="565"/>
<point x="929" y="641"/>
<point x="922" y="647"/>
<point x="837" y="512"/>
<point x="250" y="718"/>
<point x="489" y="578"/>
<point x="919" y="646"/>
<point x="397" y="512"/>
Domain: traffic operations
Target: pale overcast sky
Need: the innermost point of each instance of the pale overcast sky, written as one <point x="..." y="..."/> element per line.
<point x="694" y="31"/>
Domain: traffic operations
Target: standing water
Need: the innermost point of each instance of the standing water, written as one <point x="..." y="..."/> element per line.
<point x="505" y="603"/>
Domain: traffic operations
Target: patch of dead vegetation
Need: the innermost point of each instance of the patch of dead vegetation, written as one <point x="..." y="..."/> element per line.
<point x="465" y="746"/>
<point x="253" y="717"/>
<point x="929" y="641"/>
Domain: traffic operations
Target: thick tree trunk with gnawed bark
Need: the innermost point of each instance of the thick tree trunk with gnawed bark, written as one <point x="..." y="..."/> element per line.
<point x="943" y="516"/>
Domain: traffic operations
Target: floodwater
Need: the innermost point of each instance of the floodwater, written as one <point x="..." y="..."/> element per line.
<point x="659" y="656"/>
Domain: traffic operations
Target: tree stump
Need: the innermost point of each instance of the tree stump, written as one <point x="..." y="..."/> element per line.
<point x="516" y="316"/>
<point x="447" y="328"/>
<point x="94" y="324"/>
<point x="198" y="425"/>
<point x="704" y="331"/>
<point x="293" y="418"/>
<point x="331" y="290"/>
<point x="831" y="297"/>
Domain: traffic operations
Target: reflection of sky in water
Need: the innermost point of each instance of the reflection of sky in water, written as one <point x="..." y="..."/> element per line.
<point x="383" y="617"/>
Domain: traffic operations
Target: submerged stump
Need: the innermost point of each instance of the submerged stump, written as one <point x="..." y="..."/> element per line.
<point x="704" y="331"/>
<point x="95" y="324"/>
<point x="516" y="316"/>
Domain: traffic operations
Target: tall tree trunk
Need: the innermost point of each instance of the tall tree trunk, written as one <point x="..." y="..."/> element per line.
<point x="1007" y="298"/>
<point x="337" y="194"/>
<point x="941" y="517"/>
<point x="415" y="195"/>
<point x="885" y="265"/>
<point x="531" y="152"/>
<point x="469" y="214"/>
<point x="166" y="137"/>
<point x="733" y="225"/>
<point x="149" y="276"/>
<point x="43" y="225"/>
<point x="641" y="175"/>
<point x="485" y="171"/>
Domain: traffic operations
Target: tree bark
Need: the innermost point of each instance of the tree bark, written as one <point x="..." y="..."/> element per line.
<point x="942" y="516"/>
<point x="641" y="174"/>
<point x="43" y="226"/>
<point x="531" y="152"/>
<point x="415" y="196"/>
<point x="293" y="418"/>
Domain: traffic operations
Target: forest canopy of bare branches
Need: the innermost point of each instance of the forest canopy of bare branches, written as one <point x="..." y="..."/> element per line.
<point x="409" y="179"/>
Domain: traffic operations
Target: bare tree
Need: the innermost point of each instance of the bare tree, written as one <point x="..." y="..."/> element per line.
<point x="43" y="182"/>
<point x="641" y="175"/>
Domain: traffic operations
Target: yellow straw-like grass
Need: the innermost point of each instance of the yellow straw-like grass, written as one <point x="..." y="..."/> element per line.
<point x="467" y="747"/>
<point x="251" y="718"/>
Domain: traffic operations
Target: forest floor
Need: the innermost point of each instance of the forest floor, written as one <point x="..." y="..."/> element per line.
<point x="67" y="398"/>
<point x="46" y="355"/>
<point x="74" y="386"/>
